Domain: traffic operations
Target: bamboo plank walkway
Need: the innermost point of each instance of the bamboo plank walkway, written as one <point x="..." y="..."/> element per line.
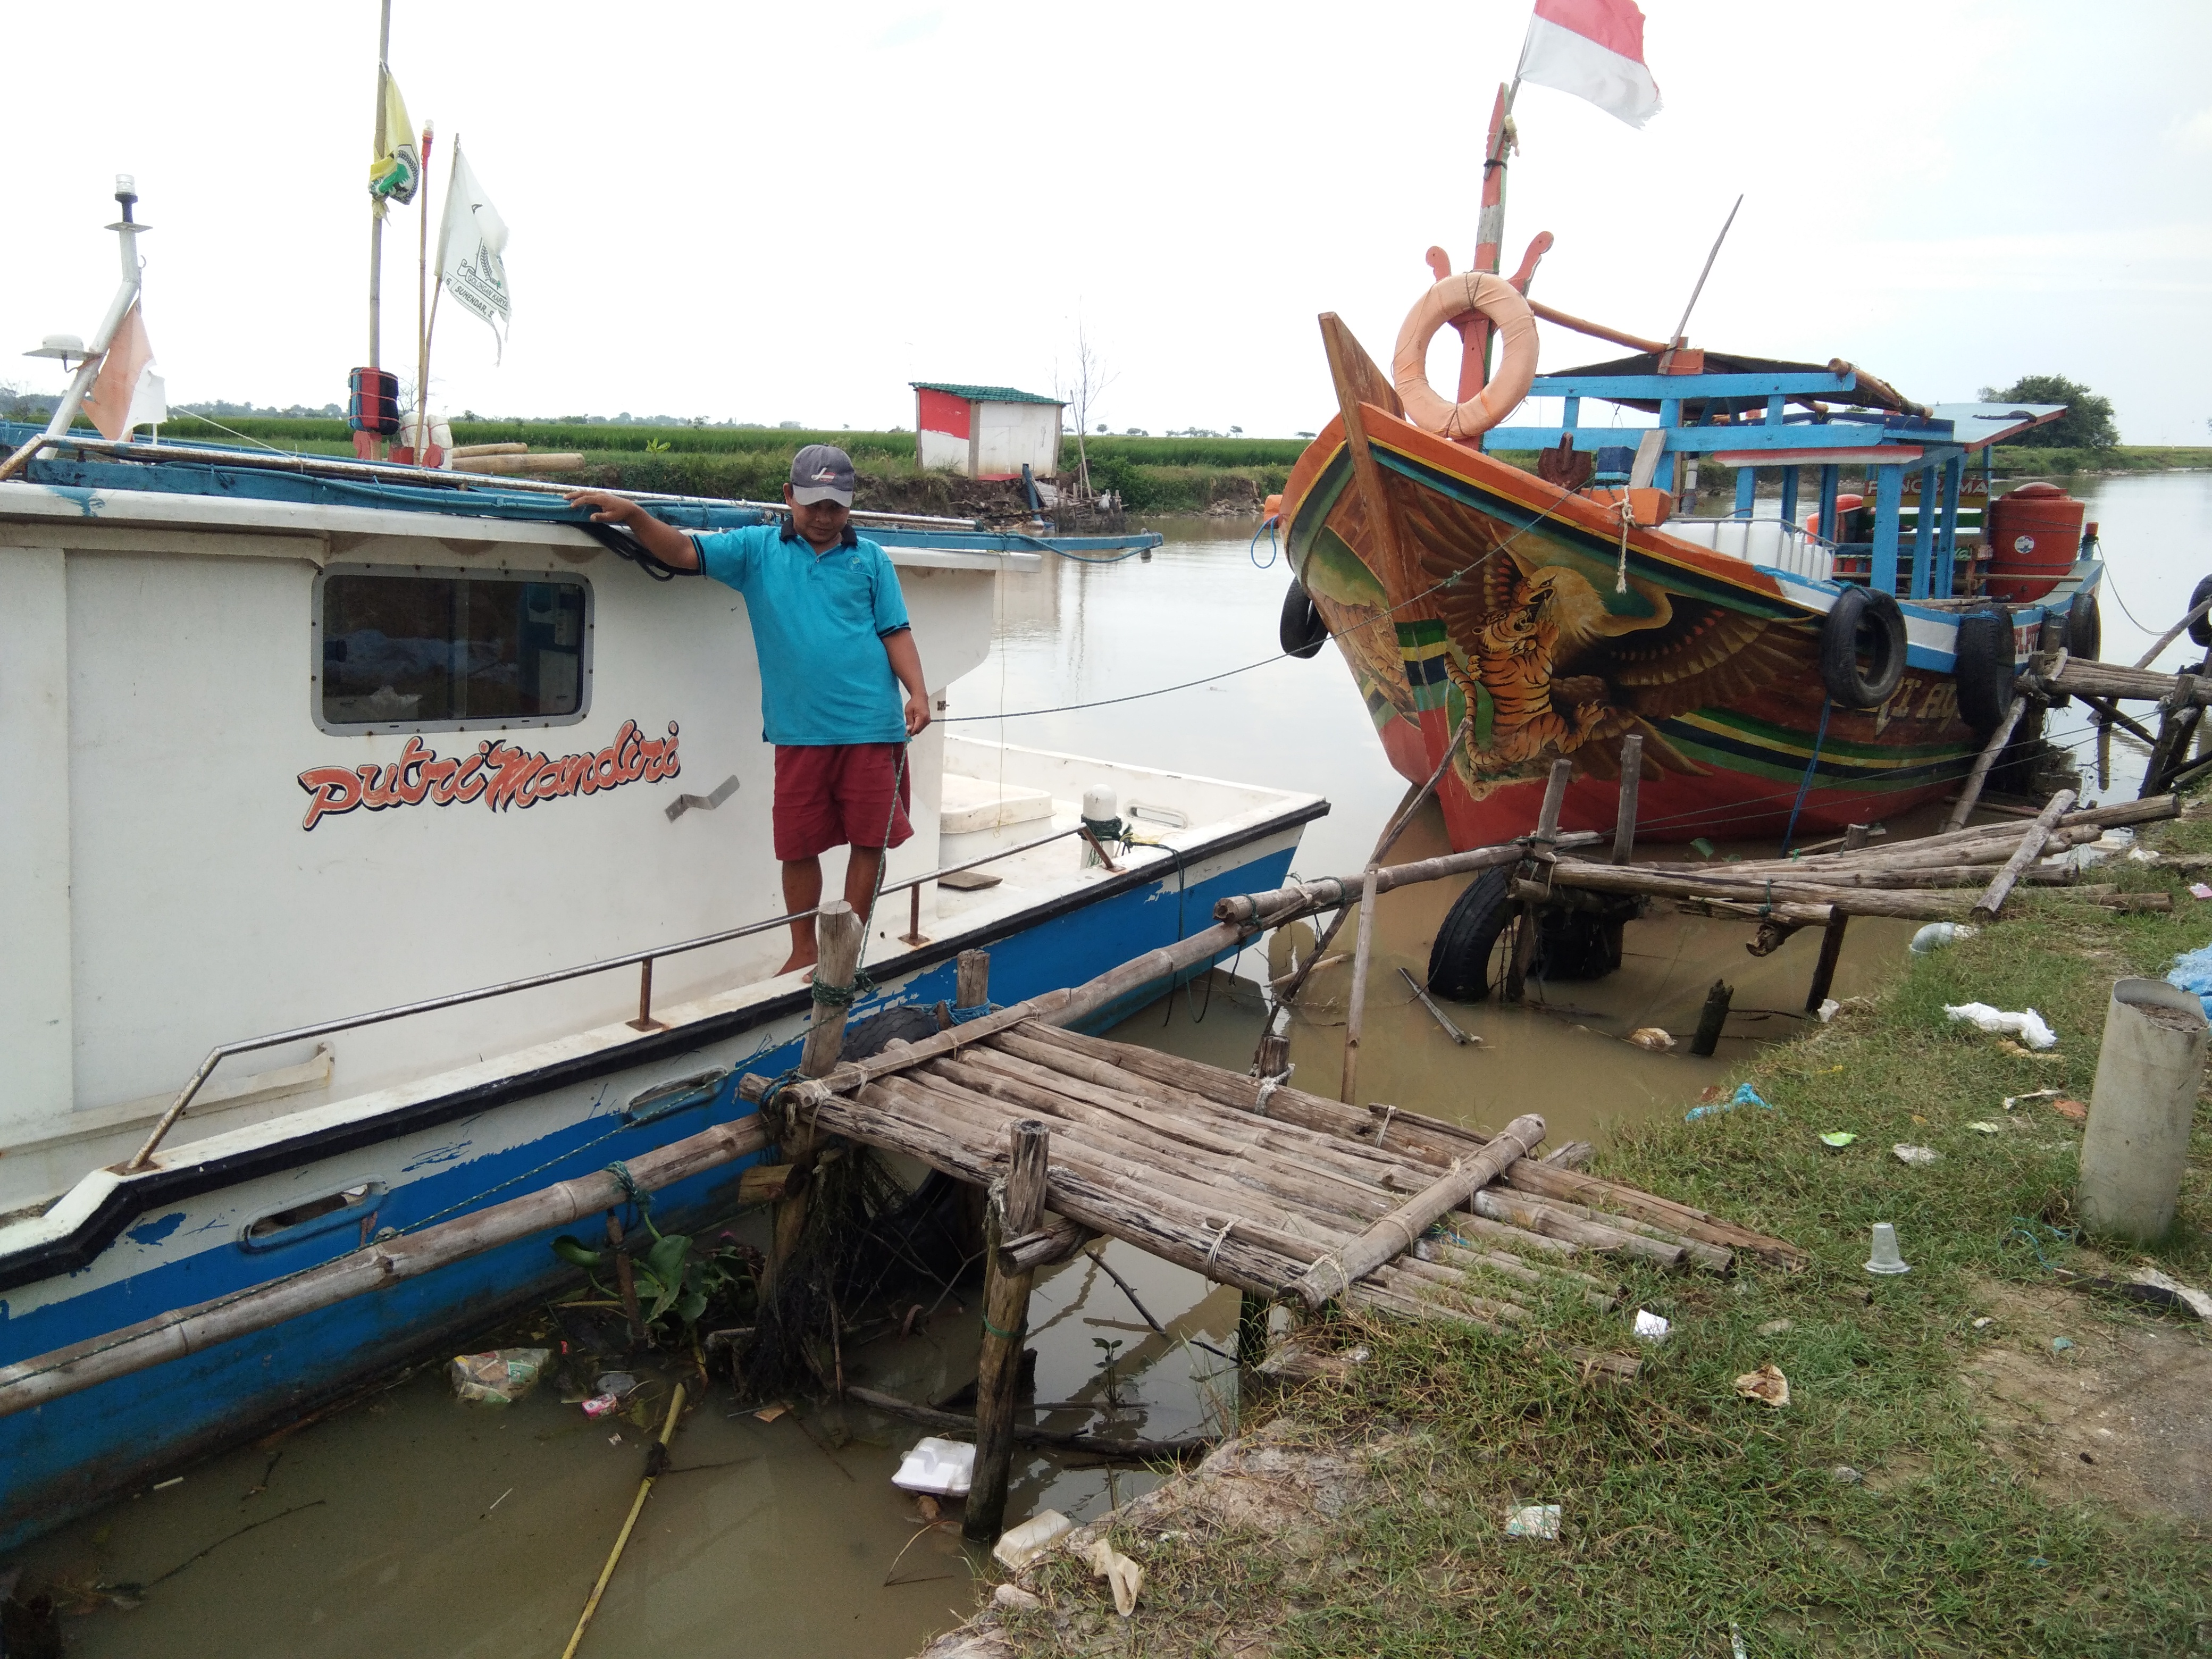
<point x="1252" y="1184"/>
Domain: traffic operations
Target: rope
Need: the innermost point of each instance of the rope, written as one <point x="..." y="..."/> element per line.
<point x="1621" y="572"/>
<point x="962" y="1015"/>
<point x="842" y="996"/>
<point x="2024" y="1227"/>
<point x="1805" y="785"/>
<point x="1252" y="548"/>
<point x="1219" y="1238"/>
<point x="1003" y="1336"/>
<point x="1111" y="829"/>
<point x="1381" y="617"/>
<point x="1268" y="1086"/>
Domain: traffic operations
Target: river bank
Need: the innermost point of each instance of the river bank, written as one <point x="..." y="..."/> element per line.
<point x="1971" y="1459"/>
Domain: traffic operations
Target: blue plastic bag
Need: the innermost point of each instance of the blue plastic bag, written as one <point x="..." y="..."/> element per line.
<point x="1745" y="1096"/>
<point x="2192" y="971"/>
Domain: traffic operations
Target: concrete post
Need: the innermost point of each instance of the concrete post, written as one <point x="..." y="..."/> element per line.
<point x="2137" y="1143"/>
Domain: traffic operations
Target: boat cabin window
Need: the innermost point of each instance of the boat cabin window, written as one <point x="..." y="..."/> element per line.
<point x="410" y="650"/>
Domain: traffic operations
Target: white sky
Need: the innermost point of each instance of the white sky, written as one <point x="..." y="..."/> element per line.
<point x="771" y="213"/>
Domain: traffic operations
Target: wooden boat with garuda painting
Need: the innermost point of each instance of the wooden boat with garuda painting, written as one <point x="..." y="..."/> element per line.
<point x="1821" y="672"/>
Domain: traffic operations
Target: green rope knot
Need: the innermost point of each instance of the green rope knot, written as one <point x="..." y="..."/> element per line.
<point x="842" y="996"/>
<point x="620" y="1171"/>
<point x="1107" y="829"/>
<point x="1003" y="1336"/>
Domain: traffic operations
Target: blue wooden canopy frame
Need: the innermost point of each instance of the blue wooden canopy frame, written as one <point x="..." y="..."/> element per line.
<point x="1746" y="413"/>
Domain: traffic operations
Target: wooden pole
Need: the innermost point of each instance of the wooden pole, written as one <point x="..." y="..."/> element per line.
<point x="1353" y="1018"/>
<point x="2172" y="634"/>
<point x="1631" y="772"/>
<point x="1005" y="1322"/>
<point x="2031" y="847"/>
<point x="637" y="1507"/>
<point x="1964" y="807"/>
<point x="1712" y="1018"/>
<point x="1832" y="952"/>
<point x="376" y="1267"/>
<point x="2174" y="727"/>
<point x="838" y="928"/>
<point x="1547" y="831"/>
<point x="972" y="979"/>
<point x="1393" y="1235"/>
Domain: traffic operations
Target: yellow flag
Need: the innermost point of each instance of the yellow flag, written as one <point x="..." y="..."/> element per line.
<point x="394" y="175"/>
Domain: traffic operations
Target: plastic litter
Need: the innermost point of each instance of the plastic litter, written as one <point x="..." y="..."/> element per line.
<point x="600" y="1404"/>
<point x="1937" y="935"/>
<point x="1651" y="1037"/>
<point x="943" y="1468"/>
<point x="1737" y="1649"/>
<point x="2110" y="844"/>
<point x="1844" y="1475"/>
<point x="2060" y="1343"/>
<point x="1914" y="1155"/>
<point x="2200" y="889"/>
<point x="621" y="1384"/>
<point x="1836" y="1137"/>
<point x="1019" y="1546"/>
<point x="1829" y="1009"/>
<point x="1124" y="1575"/>
<point x="497" y="1379"/>
<point x="2027" y="1025"/>
<point x="1984" y="1322"/>
<point x="1983" y="1126"/>
<point x="1775" y="1327"/>
<point x="1767" y="1385"/>
<point x="1533" y="1520"/>
<point x="1885" y="1257"/>
<point x="1651" y="1328"/>
<point x="2192" y="972"/>
<point x="2144" y="855"/>
<point x="1745" y="1095"/>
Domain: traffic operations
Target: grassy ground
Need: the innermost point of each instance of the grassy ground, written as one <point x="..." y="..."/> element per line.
<point x="1159" y="475"/>
<point x="1687" y="1509"/>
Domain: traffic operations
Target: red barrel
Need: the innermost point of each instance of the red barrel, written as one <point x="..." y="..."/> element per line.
<point x="2034" y="536"/>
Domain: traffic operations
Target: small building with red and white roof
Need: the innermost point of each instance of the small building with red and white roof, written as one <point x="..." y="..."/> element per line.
<point x="986" y="431"/>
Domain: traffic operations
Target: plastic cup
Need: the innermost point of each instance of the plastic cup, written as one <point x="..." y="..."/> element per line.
<point x="1886" y="1258"/>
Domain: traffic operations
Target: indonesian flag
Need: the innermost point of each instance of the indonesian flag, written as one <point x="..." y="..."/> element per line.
<point x="1595" y="50"/>
<point x="127" y="392"/>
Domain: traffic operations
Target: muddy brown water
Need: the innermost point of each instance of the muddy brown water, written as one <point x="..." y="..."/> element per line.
<point x="410" y="1523"/>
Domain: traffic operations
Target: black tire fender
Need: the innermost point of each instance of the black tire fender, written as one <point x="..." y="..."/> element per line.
<point x="2085" y="626"/>
<point x="1985" y="667"/>
<point x="1302" y="631"/>
<point x="2201" y="629"/>
<point x="1863" y="623"/>
<point x="1459" y="960"/>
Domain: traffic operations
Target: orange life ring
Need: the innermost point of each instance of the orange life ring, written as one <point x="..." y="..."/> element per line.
<point x="1454" y="297"/>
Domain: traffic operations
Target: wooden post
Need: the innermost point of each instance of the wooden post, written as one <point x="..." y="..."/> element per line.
<point x="1857" y="836"/>
<point x="1832" y="952"/>
<point x="1005" y="1322"/>
<point x="971" y="979"/>
<point x="838" y="928"/>
<point x="1547" y="829"/>
<point x="1632" y="772"/>
<point x="1963" y="808"/>
<point x="1712" y="1019"/>
<point x="2030" y="845"/>
<point x="1356" y="1012"/>
<point x="2173" y="727"/>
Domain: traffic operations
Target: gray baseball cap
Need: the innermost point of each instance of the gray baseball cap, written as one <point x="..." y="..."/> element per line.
<point x="822" y="472"/>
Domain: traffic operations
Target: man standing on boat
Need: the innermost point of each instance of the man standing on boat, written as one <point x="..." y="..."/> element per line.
<point x="830" y="628"/>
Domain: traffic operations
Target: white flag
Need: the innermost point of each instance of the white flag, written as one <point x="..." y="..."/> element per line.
<point x="1595" y="50"/>
<point x="470" y="242"/>
<point x="127" y="392"/>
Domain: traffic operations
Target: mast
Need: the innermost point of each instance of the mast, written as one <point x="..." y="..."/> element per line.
<point x="1488" y="240"/>
<point x="376" y="204"/>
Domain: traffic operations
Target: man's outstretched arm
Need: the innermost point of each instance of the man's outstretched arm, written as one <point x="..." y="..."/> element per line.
<point x="663" y="541"/>
<point x="906" y="662"/>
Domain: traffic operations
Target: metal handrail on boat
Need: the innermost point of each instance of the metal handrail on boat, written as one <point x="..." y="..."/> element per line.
<point x="279" y="460"/>
<point x="642" y="959"/>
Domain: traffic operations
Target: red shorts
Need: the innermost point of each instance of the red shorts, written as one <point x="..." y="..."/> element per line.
<point x="841" y="794"/>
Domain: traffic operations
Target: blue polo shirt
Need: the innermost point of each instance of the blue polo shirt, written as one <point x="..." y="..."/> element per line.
<point x="819" y="621"/>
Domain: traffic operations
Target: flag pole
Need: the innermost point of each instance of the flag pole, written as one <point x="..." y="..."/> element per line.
<point x="1489" y="238"/>
<point x="376" y="203"/>
<point x="430" y="328"/>
<point x="422" y="309"/>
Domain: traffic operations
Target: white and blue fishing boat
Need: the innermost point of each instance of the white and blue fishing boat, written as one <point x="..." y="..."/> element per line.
<point x="382" y="846"/>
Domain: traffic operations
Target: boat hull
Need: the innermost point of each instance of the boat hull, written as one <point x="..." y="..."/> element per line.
<point x="557" y="1114"/>
<point x="1481" y="593"/>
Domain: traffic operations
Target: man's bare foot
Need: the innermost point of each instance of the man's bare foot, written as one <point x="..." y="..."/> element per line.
<point x="798" y="960"/>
